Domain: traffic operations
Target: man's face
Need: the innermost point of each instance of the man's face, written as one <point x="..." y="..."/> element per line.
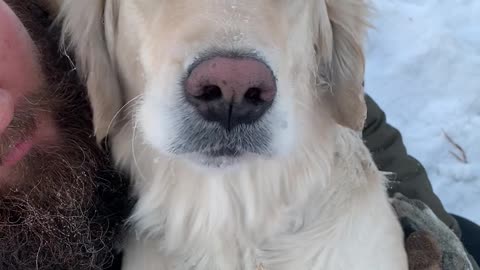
<point x="27" y="123"/>
<point x="56" y="190"/>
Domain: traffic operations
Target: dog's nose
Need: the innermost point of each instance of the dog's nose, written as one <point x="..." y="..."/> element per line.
<point x="231" y="91"/>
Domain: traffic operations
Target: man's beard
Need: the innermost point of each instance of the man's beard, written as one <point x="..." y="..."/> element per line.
<point x="66" y="207"/>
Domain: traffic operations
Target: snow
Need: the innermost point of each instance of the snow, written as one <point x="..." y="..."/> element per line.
<point x="423" y="69"/>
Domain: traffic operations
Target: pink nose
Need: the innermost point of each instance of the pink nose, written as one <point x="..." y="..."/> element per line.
<point x="231" y="91"/>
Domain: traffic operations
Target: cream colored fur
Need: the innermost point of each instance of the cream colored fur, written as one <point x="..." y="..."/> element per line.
<point x="318" y="202"/>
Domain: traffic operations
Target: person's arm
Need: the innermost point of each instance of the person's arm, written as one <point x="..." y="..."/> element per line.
<point x="389" y="153"/>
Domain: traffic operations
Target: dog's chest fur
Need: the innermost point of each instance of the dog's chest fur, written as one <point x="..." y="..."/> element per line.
<point x="312" y="214"/>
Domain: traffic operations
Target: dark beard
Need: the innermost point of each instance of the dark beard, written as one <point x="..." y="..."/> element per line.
<point x="68" y="217"/>
<point x="68" y="210"/>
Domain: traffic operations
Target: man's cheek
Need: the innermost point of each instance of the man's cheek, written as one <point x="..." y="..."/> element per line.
<point x="19" y="68"/>
<point x="6" y="110"/>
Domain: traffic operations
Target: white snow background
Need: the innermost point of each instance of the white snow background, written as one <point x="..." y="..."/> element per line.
<point x="423" y="69"/>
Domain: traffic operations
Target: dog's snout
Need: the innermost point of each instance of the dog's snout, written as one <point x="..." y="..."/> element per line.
<point x="231" y="91"/>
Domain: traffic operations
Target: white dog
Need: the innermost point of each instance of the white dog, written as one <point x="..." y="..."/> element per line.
<point x="239" y="122"/>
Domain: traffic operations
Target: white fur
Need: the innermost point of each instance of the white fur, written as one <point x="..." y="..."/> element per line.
<point x="316" y="201"/>
<point x="307" y="213"/>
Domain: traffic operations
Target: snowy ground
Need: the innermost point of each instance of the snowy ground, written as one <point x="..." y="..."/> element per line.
<point x="423" y="68"/>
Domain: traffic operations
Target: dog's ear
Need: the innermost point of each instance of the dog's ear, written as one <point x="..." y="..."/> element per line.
<point x="88" y="28"/>
<point x="340" y="42"/>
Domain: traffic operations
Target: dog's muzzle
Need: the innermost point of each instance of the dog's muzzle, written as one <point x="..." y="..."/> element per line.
<point x="227" y="97"/>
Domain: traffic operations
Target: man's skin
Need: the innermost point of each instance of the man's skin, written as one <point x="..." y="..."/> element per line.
<point x="61" y="206"/>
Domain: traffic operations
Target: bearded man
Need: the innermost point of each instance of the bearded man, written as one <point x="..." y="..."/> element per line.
<point x="61" y="206"/>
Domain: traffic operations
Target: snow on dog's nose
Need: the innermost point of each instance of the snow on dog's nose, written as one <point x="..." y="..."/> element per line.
<point x="230" y="90"/>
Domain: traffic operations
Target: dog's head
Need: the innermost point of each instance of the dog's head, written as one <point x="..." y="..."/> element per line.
<point x="216" y="81"/>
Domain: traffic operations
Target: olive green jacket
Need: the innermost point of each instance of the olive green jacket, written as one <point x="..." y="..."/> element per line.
<point x="389" y="153"/>
<point x="408" y="175"/>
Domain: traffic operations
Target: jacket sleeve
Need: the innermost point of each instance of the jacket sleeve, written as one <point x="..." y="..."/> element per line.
<point x="408" y="175"/>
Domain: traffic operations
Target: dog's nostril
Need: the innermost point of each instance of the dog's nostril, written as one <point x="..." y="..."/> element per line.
<point x="254" y="95"/>
<point x="210" y="93"/>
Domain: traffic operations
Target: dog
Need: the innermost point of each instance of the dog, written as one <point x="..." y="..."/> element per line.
<point x="239" y="122"/>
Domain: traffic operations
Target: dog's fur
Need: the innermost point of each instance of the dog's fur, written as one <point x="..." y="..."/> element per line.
<point x="309" y="197"/>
